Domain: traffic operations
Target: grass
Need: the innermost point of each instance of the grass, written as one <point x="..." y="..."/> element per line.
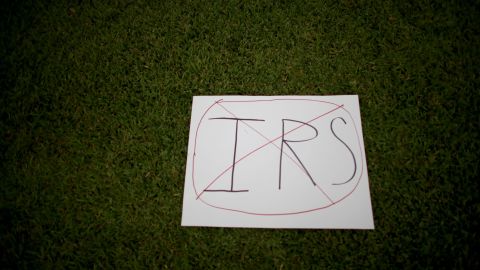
<point x="95" y="106"/>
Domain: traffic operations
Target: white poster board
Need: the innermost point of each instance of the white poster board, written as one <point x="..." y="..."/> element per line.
<point x="276" y="162"/>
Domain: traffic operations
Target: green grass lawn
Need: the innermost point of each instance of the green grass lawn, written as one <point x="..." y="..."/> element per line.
<point x="95" y="102"/>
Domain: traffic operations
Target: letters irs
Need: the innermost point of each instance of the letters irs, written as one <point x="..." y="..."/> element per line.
<point x="288" y="143"/>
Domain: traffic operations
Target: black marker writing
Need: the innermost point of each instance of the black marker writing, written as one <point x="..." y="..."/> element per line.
<point x="353" y="156"/>
<point x="234" y="152"/>
<point x="286" y="142"/>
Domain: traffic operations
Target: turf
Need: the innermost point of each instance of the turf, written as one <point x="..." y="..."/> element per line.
<point x="95" y="108"/>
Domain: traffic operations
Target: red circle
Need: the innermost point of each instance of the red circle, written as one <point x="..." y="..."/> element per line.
<point x="198" y="194"/>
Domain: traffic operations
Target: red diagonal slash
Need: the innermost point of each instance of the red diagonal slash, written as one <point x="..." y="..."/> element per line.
<point x="265" y="144"/>
<point x="293" y="160"/>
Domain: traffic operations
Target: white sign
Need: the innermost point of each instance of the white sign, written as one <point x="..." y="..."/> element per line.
<point x="276" y="162"/>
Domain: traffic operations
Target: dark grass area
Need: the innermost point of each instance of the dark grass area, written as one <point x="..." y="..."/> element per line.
<point x="95" y="109"/>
